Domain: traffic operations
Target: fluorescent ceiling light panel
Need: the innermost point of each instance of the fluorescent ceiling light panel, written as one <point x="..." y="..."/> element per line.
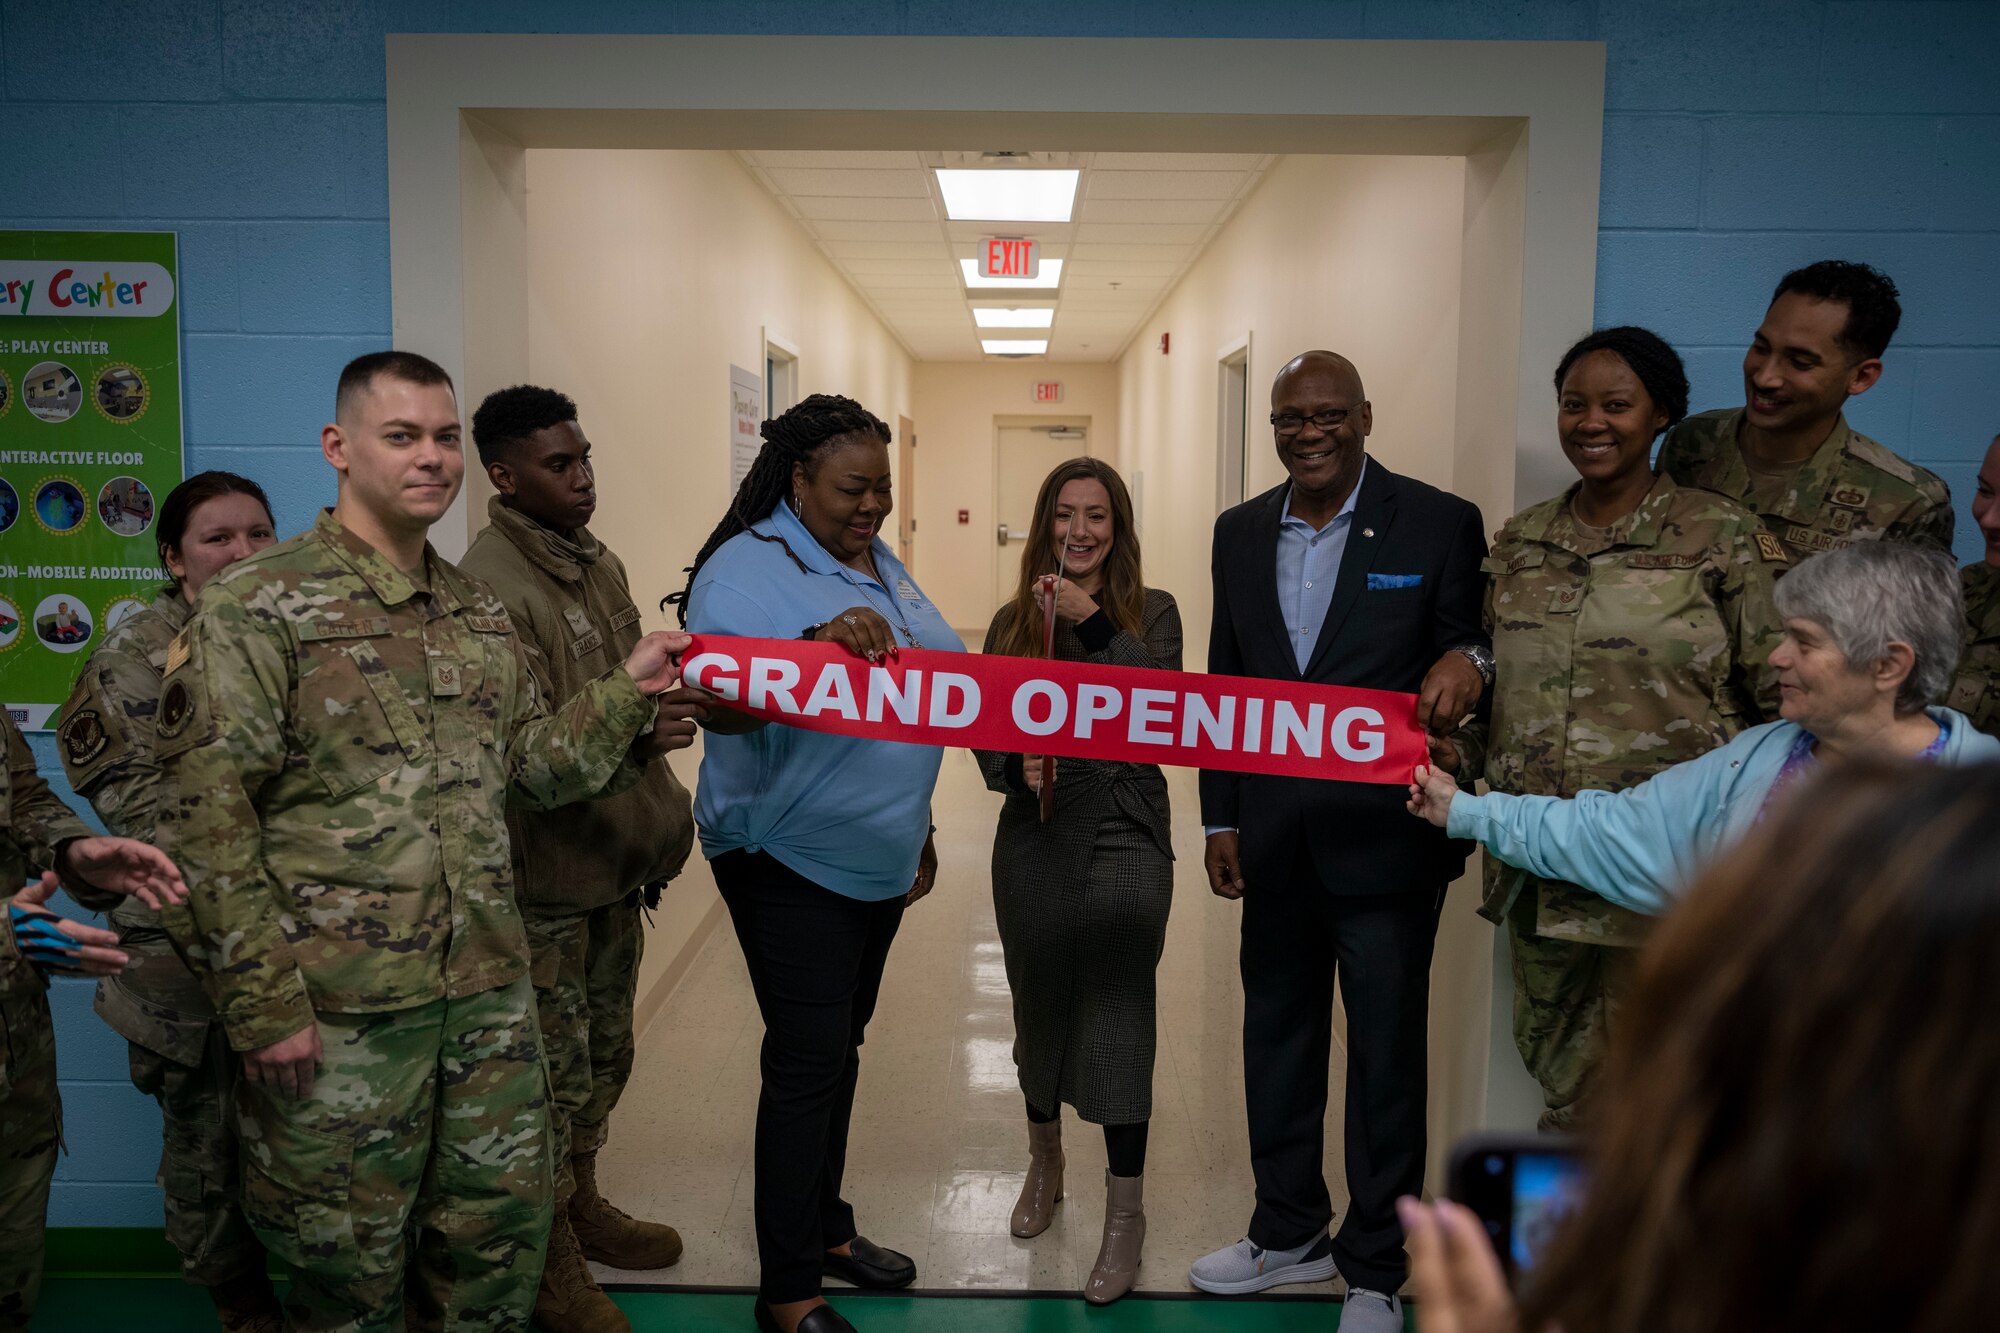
<point x="1051" y="275"/>
<point x="1014" y="346"/>
<point x="1007" y="195"/>
<point x="991" y="317"/>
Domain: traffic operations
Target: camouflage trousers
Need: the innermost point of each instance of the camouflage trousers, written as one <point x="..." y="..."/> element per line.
<point x="427" y="1130"/>
<point x="1566" y="997"/>
<point x="30" y="1137"/>
<point x="199" y="1173"/>
<point x="586" y="972"/>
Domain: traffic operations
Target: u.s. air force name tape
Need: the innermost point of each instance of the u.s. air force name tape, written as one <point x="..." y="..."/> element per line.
<point x="1072" y="709"/>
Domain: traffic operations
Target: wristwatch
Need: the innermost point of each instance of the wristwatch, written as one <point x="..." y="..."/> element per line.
<point x="1481" y="659"/>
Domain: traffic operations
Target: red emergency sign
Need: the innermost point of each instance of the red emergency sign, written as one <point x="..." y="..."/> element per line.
<point x="1009" y="257"/>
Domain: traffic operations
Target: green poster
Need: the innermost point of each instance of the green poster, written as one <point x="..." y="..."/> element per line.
<point x="90" y="444"/>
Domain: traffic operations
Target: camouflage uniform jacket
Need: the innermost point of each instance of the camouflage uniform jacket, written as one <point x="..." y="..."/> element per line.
<point x="338" y="742"/>
<point x="1977" y="690"/>
<point x="572" y="607"/>
<point x="1619" y="658"/>
<point x="33" y="821"/>
<point x="106" y="734"/>
<point x="1852" y="490"/>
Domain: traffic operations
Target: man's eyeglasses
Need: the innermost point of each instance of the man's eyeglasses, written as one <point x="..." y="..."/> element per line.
<point x="1291" y="423"/>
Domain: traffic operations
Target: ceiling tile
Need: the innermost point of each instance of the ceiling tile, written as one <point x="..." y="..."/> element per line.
<point x="1153" y="210"/>
<point x="830" y="209"/>
<point x="1121" y="270"/>
<point x="886" y="281"/>
<point x="1050" y="234"/>
<point x="865" y="269"/>
<point x="889" y="250"/>
<point x="1141" y="233"/>
<point x="871" y="184"/>
<point x="1165" y="184"/>
<point x="1176" y="255"/>
<point x="850" y="230"/>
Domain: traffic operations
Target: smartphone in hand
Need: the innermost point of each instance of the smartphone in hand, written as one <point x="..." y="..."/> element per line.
<point x="1521" y="1187"/>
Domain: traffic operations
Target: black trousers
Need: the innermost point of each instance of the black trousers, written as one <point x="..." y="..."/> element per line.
<point x="815" y="960"/>
<point x="1298" y="938"/>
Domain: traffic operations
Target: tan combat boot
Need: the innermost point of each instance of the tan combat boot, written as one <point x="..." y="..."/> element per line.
<point x="1043" y="1189"/>
<point x="1117" y="1266"/>
<point x="611" y="1236"/>
<point x="248" y="1305"/>
<point x="570" y="1300"/>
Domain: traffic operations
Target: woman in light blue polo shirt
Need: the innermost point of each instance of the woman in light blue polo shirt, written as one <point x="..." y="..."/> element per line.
<point x="817" y="842"/>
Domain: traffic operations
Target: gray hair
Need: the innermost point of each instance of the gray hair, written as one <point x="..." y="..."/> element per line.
<point x="1872" y="594"/>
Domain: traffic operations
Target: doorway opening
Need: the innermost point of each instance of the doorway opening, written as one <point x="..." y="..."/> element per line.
<point x="1026" y="450"/>
<point x="1232" y="425"/>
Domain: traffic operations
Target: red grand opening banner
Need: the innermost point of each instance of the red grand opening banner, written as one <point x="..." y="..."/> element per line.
<point x="1073" y="709"/>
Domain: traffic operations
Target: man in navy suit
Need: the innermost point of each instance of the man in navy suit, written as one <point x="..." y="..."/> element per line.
<point x="1345" y="575"/>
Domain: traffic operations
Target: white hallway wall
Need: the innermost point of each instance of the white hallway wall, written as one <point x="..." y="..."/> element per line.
<point x="956" y="405"/>
<point x="651" y="272"/>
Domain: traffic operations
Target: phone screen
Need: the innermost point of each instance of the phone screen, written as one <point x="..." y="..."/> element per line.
<point x="1521" y="1188"/>
<point x="1547" y="1188"/>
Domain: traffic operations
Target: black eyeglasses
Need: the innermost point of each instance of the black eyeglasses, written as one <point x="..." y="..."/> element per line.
<point x="1291" y="423"/>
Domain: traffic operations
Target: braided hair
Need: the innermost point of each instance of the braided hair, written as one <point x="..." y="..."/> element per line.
<point x="797" y="436"/>
<point x="1657" y="365"/>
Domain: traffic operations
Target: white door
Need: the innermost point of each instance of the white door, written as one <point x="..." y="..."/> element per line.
<point x="1025" y="456"/>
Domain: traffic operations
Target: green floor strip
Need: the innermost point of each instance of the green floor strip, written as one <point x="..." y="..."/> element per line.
<point x="73" y="1305"/>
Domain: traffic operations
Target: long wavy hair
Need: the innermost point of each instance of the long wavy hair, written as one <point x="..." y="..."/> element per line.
<point x="1800" y="1122"/>
<point x="1123" y="596"/>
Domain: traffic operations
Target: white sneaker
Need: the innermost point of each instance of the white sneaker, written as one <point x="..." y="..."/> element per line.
<point x="1371" y="1312"/>
<point x="1244" y="1267"/>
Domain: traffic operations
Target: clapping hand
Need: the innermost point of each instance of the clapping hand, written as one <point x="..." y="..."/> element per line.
<point x="57" y="945"/>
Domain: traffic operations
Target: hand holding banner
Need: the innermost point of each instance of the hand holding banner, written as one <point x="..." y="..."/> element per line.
<point x="1073" y="709"/>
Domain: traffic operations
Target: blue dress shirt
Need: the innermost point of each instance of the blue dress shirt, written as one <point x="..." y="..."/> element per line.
<point x="849" y="814"/>
<point x="1308" y="561"/>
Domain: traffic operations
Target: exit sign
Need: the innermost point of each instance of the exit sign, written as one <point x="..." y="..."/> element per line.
<point x="1002" y="257"/>
<point x="1048" y="391"/>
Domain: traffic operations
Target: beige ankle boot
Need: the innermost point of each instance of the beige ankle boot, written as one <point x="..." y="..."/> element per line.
<point x="1043" y="1189"/>
<point x="1117" y="1266"/>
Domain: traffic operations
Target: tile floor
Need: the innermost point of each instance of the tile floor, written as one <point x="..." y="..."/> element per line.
<point x="939" y="1141"/>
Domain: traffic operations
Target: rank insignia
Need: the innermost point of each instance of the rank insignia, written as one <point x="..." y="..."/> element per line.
<point x="1850" y="497"/>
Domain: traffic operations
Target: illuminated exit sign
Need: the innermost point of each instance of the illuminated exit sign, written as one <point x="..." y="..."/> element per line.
<point x="1048" y="391"/>
<point x="1005" y="257"/>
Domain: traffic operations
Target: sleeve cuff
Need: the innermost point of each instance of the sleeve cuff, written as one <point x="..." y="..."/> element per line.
<point x="1096" y="631"/>
<point x="1210" y="830"/>
<point x="1466" y="818"/>
<point x="1015" y="773"/>
<point x="257" y="1023"/>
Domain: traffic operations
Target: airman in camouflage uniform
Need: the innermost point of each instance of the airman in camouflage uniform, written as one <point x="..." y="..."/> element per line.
<point x="1788" y="454"/>
<point x="177" y="1051"/>
<point x="1852" y="490"/>
<point x="579" y="872"/>
<point x="339" y="737"/>
<point x="35" y="827"/>
<point x="1616" y="656"/>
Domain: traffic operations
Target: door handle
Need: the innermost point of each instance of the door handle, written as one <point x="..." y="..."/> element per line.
<point x="1004" y="534"/>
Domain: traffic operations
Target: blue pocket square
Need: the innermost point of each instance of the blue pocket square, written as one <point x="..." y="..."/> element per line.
<point x="1377" y="582"/>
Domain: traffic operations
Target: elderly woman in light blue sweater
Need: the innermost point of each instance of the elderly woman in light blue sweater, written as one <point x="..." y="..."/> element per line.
<point x="1872" y="637"/>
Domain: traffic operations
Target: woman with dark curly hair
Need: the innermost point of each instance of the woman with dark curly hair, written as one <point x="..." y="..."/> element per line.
<point x="1631" y="619"/>
<point x="818" y="842"/>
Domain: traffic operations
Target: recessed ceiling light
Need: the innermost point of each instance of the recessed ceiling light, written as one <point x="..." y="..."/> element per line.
<point x="1014" y="346"/>
<point x="1007" y="195"/>
<point x="1051" y="275"/>
<point x="990" y="317"/>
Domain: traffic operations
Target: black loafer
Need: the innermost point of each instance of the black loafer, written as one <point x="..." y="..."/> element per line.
<point x="826" y="1319"/>
<point x="870" y="1266"/>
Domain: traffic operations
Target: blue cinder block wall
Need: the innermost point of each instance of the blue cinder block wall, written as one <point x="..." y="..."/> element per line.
<point x="1742" y="137"/>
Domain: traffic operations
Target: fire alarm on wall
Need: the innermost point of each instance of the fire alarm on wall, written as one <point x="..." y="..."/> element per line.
<point x="964" y="517"/>
<point x="1163" y="343"/>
